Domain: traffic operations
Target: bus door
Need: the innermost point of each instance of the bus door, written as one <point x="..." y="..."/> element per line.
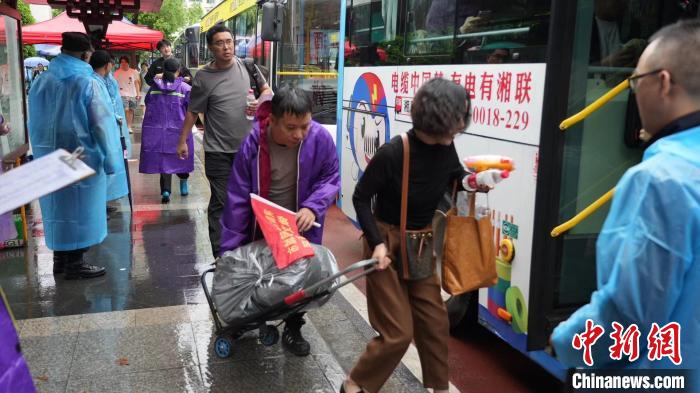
<point x="600" y="43"/>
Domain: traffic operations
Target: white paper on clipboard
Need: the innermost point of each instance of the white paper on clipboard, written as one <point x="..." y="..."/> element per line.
<point x="40" y="177"/>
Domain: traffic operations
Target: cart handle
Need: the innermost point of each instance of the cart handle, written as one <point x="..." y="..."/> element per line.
<point x="301" y="294"/>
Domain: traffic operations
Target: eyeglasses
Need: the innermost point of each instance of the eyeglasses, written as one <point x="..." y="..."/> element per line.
<point x="634" y="79"/>
<point x="221" y="44"/>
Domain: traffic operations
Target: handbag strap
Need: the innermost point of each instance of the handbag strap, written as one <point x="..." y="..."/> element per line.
<point x="404" y="203"/>
<point x="471" y="198"/>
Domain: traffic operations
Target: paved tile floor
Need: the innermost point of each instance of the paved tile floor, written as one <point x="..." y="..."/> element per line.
<point x="166" y="349"/>
<point x="146" y="327"/>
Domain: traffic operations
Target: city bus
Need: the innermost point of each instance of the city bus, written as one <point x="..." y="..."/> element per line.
<point x="527" y="65"/>
<point x="186" y="47"/>
<point x="306" y="56"/>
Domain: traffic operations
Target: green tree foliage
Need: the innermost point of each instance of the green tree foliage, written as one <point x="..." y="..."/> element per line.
<point x="194" y="14"/>
<point x="172" y="18"/>
<point x="56" y="11"/>
<point x="27" y="19"/>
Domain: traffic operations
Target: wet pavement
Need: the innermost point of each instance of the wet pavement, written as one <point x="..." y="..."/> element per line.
<point x="145" y="326"/>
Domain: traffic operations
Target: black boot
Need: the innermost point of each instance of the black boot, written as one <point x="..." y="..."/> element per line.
<point x="292" y="338"/>
<point x="79" y="269"/>
<point x="58" y="262"/>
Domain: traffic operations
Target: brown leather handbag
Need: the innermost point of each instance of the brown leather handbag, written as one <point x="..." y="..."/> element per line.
<point x="417" y="247"/>
<point x="469" y="254"/>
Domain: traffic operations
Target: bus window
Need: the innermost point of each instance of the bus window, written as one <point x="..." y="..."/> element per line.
<point x="204" y="55"/>
<point x="609" y="38"/>
<point x="478" y="31"/>
<point x="244" y="28"/>
<point x="430" y="26"/>
<point x="308" y="53"/>
<point x="372" y="33"/>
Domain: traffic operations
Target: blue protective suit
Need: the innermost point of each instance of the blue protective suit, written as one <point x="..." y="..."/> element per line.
<point x="117" y="186"/>
<point x="68" y="108"/>
<point x="648" y="258"/>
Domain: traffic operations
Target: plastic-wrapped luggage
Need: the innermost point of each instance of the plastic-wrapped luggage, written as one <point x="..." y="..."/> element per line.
<point x="247" y="280"/>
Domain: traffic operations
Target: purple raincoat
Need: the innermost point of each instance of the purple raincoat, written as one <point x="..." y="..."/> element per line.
<point x="14" y="373"/>
<point x="318" y="181"/>
<point x="166" y="106"/>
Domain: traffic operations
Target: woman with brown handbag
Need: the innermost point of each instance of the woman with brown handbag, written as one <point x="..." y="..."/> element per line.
<point x="408" y="176"/>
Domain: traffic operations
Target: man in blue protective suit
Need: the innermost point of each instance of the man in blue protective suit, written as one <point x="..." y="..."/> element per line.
<point x="102" y="63"/>
<point x="648" y="252"/>
<point x="69" y="108"/>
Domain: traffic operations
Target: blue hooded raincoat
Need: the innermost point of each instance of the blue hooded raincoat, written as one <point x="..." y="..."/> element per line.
<point x="117" y="186"/>
<point x="68" y="108"/>
<point x="648" y="258"/>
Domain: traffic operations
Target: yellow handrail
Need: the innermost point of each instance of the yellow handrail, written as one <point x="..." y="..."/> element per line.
<point x="594" y="106"/>
<point x="300" y="73"/>
<point x="583" y="214"/>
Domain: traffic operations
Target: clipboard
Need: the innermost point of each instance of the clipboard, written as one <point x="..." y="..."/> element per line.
<point x="41" y="177"/>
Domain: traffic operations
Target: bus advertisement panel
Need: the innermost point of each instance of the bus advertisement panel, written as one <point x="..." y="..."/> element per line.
<point x="506" y="119"/>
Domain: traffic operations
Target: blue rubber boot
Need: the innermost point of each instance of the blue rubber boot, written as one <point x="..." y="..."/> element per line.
<point x="183" y="187"/>
<point x="166" y="197"/>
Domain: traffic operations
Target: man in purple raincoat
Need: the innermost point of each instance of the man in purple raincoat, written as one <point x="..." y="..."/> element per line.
<point x="290" y="160"/>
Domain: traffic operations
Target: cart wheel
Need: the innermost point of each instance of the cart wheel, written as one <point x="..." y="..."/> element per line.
<point x="269" y="335"/>
<point x="222" y="346"/>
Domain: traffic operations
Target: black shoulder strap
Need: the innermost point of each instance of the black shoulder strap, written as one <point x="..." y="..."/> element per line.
<point x="253" y="75"/>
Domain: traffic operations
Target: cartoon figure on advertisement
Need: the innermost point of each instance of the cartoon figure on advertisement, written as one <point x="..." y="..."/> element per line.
<point x="368" y="121"/>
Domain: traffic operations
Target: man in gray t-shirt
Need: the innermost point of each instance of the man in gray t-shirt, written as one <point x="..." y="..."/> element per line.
<point x="219" y="91"/>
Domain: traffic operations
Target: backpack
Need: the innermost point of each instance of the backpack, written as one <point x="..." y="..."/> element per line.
<point x="254" y="75"/>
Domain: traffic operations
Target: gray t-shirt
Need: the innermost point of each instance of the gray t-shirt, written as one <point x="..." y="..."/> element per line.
<point x="283" y="174"/>
<point x="221" y="96"/>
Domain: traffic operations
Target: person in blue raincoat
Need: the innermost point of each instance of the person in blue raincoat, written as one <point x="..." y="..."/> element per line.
<point x="648" y="252"/>
<point x="69" y="108"/>
<point x="102" y="63"/>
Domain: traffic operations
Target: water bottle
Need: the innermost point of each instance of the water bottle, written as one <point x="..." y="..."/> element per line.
<point x="249" y="101"/>
<point x="487" y="178"/>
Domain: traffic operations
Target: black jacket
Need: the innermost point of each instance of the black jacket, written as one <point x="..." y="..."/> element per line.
<point x="157" y="68"/>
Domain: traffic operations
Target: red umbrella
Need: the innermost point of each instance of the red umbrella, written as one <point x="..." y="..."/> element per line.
<point x="121" y="36"/>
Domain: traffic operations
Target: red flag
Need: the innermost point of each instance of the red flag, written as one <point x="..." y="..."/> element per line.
<point x="279" y="226"/>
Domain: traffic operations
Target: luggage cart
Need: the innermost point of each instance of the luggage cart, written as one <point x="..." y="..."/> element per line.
<point x="268" y="334"/>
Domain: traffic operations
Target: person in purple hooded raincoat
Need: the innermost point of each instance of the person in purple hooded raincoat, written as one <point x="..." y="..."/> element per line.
<point x="292" y="161"/>
<point x="166" y="106"/>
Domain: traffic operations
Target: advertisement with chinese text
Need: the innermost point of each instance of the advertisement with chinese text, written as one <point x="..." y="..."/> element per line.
<point x="506" y="117"/>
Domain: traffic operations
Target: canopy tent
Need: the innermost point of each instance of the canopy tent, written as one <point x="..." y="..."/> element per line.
<point x="35" y="61"/>
<point x="120" y="35"/>
<point x="47" y="49"/>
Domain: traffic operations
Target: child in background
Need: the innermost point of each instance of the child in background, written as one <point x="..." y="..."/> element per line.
<point x="166" y="106"/>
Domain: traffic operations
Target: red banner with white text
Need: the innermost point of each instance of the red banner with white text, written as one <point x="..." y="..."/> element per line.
<point x="279" y="227"/>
